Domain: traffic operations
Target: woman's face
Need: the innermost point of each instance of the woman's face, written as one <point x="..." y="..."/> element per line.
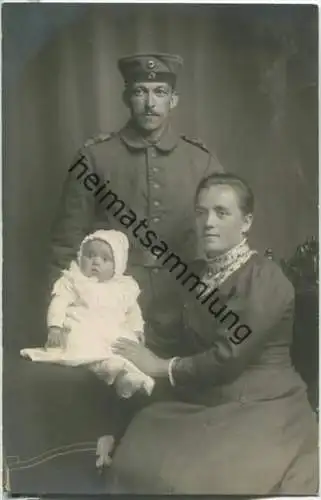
<point x="220" y="222"/>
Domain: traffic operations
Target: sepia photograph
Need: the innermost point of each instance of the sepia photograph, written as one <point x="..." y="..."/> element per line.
<point x="160" y="249"/>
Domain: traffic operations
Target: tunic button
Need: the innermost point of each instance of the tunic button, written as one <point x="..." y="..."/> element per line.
<point x="156" y="203"/>
<point x="156" y="219"/>
<point x="156" y="185"/>
<point x="155" y="169"/>
<point x="155" y="270"/>
<point x="153" y="153"/>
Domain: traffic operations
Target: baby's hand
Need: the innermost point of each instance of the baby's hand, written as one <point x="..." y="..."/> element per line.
<point x="56" y="337"/>
<point x="140" y="337"/>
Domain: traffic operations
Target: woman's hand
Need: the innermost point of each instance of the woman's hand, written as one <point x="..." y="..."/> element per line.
<point x="140" y="336"/>
<point x="141" y="357"/>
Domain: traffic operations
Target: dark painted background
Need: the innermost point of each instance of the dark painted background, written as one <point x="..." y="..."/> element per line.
<point x="249" y="90"/>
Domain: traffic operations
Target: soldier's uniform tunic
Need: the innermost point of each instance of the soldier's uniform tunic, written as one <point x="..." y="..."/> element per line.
<point x="156" y="182"/>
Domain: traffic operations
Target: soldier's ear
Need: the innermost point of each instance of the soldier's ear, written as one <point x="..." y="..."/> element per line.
<point x="126" y="97"/>
<point x="174" y="99"/>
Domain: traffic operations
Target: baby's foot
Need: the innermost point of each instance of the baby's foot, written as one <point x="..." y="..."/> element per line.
<point x="105" y="445"/>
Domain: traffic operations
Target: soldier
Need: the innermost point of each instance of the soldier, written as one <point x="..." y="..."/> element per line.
<point x="152" y="169"/>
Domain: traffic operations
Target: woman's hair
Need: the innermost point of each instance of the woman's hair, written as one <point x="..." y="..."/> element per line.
<point x="242" y="189"/>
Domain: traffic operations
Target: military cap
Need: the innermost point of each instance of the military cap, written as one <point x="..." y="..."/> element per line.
<point x="150" y="67"/>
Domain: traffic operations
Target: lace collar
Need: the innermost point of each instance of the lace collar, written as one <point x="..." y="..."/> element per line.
<point x="221" y="267"/>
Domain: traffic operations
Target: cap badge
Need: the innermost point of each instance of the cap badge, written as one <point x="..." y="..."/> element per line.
<point x="151" y="64"/>
<point x="151" y="75"/>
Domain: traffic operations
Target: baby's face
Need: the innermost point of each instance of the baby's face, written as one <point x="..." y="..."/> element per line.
<point x="97" y="260"/>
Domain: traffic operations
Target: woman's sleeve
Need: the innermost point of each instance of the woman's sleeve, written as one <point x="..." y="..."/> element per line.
<point x="268" y="301"/>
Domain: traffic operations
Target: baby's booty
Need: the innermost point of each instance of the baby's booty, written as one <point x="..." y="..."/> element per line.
<point x="105" y="445"/>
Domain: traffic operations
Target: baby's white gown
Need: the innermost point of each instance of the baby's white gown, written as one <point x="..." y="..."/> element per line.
<point x="95" y="314"/>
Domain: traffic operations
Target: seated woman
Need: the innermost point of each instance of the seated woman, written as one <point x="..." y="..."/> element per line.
<point x="234" y="416"/>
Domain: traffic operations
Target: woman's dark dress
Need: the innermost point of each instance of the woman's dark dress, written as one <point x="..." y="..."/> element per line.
<point x="238" y="420"/>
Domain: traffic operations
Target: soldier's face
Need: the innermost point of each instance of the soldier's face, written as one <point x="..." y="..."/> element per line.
<point x="220" y="221"/>
<point x="150" y="103"/>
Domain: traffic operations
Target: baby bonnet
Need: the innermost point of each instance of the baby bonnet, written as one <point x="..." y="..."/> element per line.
<point x="118" y="242"/>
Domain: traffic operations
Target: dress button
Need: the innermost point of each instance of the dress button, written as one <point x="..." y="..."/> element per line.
<point x="156" y="203"/>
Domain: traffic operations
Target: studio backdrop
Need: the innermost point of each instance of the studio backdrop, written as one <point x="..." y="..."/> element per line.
<point x="248" y="90"/>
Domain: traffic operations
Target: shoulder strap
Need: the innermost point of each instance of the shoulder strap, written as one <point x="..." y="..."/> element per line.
<point x="98" y="138"/>
<point x="196" y="142"/>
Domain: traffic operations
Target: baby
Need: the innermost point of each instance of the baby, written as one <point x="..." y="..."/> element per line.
<point x="93" y="303"/>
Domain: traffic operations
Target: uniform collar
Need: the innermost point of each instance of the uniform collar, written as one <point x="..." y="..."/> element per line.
<point x="132" y="138"/>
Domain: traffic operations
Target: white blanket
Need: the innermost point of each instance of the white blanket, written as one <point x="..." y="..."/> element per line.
<point x="106" y="367"/>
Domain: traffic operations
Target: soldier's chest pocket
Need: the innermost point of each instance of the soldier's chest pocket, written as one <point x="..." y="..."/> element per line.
<point x="178" y="182"/>
<point x="121" y="180"/>
<point x="129" y="178"/>
<point x="182" y="178"/>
